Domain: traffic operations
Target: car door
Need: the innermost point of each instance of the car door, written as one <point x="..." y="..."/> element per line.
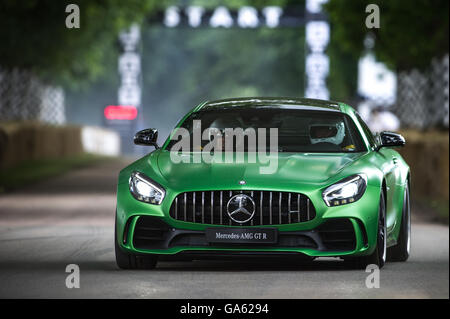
<point x="390" y="171"/>
<point x="389" y="168"/>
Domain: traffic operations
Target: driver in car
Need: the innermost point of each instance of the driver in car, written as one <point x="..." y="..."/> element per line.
<point x="329" y="133"/>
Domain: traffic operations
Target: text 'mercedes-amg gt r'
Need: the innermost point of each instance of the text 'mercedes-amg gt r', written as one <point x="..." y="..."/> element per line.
<point x="266" y="177"/>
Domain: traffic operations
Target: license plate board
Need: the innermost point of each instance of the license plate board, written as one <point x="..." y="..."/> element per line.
<point x="241" y="235"/>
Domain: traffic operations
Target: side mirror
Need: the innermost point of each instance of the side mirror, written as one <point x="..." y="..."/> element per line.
<point x="390" y="139"/>
<point x="147" y="137"/>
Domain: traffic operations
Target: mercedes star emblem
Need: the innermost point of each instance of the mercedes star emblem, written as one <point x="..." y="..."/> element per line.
<point x="241" y="208"/>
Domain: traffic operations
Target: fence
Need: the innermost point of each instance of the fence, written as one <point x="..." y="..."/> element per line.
<point x="423" y="96"/>
<point x="23" y="96"/>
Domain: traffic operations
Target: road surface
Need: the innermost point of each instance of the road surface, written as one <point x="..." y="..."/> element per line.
<point x="69" y="220"/>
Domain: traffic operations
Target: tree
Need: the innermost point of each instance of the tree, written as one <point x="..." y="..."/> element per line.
<point x="410" y="35"/>
<point x="34" y="37"/>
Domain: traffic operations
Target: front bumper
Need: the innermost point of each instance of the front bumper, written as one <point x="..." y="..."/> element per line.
<point x="148" y="229"/>
<point x="149" y="234"/>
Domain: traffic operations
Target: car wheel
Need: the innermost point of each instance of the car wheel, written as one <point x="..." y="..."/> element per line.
<point x="378" y="257"/>
<point x="126" y="260"/>
<point x="400" y="252"/>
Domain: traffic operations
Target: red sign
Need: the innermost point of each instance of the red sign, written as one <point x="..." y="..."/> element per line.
<point x="120" y="112"/>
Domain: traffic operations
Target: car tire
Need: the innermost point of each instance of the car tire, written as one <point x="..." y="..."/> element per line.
<point x="378" y="257"/>
<point x="400" y="252"/>
<point x="126" y="260"/>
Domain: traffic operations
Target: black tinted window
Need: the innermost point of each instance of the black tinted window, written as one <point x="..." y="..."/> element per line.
<point x="298" y="130"/>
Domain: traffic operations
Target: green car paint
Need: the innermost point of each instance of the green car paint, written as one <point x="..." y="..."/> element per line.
<point x="306" y="173"/>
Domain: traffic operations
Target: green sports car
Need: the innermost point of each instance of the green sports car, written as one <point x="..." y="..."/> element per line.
<point x="266" y="177"/>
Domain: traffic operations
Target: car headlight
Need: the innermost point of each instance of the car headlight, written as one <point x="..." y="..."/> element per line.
<point x="346" y="191"/>
<point x="146" y="190"/>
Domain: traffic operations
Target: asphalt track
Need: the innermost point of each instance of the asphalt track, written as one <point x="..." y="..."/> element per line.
<point x="69" y="220"/>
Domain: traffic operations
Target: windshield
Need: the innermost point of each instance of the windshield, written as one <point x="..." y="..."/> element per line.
<point x="301" y="130"/>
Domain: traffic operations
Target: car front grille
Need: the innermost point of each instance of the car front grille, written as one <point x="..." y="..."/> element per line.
<point x="270" y="208"/>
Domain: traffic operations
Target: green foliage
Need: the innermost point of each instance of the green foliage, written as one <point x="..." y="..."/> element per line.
<point x="411" y="32"/>
<point x="33" y="36"/>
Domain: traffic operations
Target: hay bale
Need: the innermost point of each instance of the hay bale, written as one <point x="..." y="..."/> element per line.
<point x="23" y="141"/>
<point x="427" y="153"/>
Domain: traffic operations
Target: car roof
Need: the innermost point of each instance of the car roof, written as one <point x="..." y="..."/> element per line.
<point x="273" y="102"/>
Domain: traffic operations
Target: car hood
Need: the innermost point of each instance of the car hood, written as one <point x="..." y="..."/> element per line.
<point x="293" y="170"/>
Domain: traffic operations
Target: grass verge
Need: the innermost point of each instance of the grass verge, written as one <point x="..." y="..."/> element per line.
<point x="35" y="170"/>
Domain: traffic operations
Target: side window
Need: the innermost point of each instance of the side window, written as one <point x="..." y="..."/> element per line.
<point x="366" y="130"/>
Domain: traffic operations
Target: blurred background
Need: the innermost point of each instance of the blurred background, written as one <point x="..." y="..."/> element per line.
<point x="74" y="89"/>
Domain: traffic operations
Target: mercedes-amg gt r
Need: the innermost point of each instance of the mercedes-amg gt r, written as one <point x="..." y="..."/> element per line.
<point x="324" y="186"/>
